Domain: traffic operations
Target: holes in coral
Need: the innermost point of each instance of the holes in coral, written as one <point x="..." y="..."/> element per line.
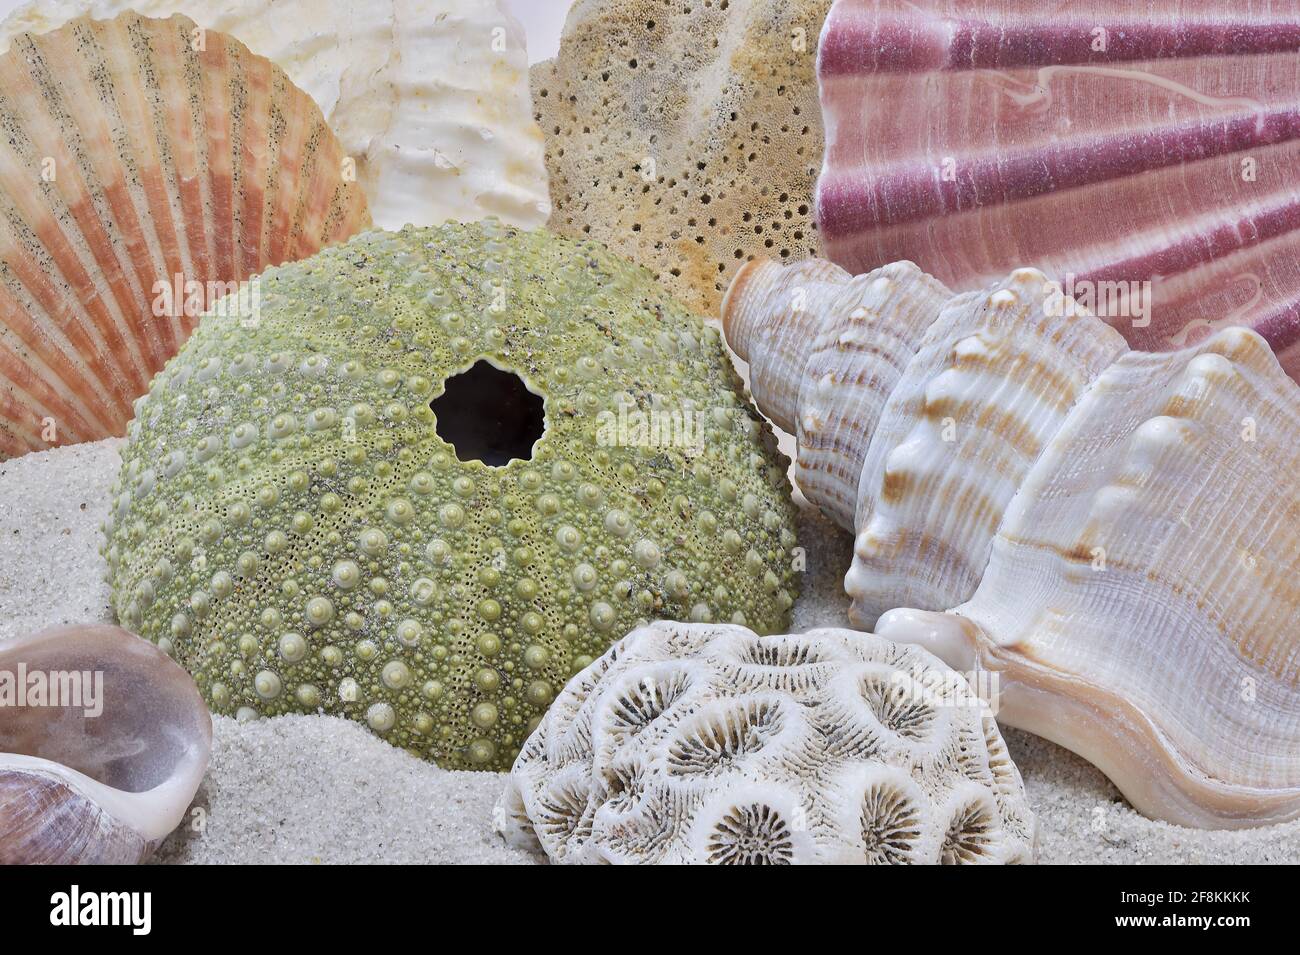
<point x="971" y="834"/>
<point x="644" y="701"/>
<point x="720" y="737"/>
<point x="562" y="813"/>
<point x="488" y="414"/>
<point x="751" y="834"/>
<point x="891" y="825"/>
<point x="624" y="787"/>
<point x="780" y="653"/>
<point x="1000" y="765"/>
<point x="899" y="705"/>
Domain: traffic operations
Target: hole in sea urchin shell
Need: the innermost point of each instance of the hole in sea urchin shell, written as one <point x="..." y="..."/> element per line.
<point x="489" y="414"/>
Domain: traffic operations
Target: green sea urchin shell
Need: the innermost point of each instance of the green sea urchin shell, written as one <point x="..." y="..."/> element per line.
<point x="291" y="527"/>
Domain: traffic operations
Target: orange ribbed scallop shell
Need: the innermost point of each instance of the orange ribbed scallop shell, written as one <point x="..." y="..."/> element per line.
<point x="138" y="154"/>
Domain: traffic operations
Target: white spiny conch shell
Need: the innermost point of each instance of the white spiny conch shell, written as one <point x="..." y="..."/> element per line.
<point x="1116" y="533"/>
<point x="706" y="743"/>
<point x="807" y="372"/>
<point x="146" y="169"/>
<point x="429" y="98"/>
<point x="102" y="765"/>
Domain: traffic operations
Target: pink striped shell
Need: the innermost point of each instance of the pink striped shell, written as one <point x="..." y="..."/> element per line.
<point x="1108" y="143"/>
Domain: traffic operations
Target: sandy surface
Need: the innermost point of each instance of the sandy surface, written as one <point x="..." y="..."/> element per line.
<point x="308" y="789"/>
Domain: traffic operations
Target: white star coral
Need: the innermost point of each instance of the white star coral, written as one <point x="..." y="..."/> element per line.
<point x="706" y="743"/>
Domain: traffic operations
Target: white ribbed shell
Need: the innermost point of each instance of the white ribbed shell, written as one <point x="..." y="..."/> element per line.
<point x="1119" y="532"/>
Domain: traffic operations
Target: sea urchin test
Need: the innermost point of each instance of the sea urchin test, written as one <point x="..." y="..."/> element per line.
<point x="437" y="474"/>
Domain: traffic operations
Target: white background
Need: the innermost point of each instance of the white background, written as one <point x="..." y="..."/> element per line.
<point x="542" y="20"/>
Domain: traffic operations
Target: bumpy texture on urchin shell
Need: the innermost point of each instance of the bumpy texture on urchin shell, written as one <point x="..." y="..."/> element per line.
<point x="289" y="524"/>
<point x="711" y="744"/>
<point x="133" y="155"/>
<point x="429" y="97"/>
<point x="685" y="136"/>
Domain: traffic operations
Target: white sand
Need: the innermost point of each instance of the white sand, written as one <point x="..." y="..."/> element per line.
<point x="319" y="789"/>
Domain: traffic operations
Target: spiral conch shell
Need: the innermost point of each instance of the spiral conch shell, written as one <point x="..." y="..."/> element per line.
<point x="103" y="743"/>
<point x="147" y="167"/>
<point x="1116" y="532"/>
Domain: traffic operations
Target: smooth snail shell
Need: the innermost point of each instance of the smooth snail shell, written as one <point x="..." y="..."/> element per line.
<point x="147" y="168"/>
<point x="80" y="786"/>
<point x="1115" y="532"/>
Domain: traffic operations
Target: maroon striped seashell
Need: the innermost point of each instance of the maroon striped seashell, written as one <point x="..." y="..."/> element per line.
<point x="1110" y="143"/>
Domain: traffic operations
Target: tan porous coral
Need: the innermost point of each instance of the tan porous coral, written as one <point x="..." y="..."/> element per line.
<point x="685" y="136"/>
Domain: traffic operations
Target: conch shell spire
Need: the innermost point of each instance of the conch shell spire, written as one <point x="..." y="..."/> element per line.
<point x="1114" y="532"/>
<point x="803" y="329"/>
